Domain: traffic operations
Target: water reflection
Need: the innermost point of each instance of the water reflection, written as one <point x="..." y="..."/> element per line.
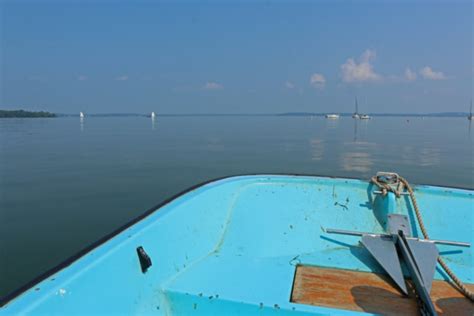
<point x="81" y="122"/>
<point x="332" y="124"/>
<point x="357" y="162"/>
<point x="317" y="149"/>
<point x="153" y="122"/>
<point x="357" y="156"/>
<point x="406" y="154"/>
<point x="424" y="157"/>
<point x="355" y="130"/>
<point x="429" y="156"/>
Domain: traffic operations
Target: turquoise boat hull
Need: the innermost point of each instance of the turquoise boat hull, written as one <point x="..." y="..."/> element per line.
<point x="231" y="246"/>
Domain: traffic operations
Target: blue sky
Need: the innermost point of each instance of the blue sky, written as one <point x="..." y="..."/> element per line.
<point x="236" y="57"/>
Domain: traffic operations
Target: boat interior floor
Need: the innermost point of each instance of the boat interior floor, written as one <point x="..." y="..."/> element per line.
<point x="206" y="286"/>
<point x="275" y="256"/>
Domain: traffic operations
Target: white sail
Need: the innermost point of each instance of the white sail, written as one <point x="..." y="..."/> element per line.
<point x="152" y="115"/>
<point x="81" y="115"/>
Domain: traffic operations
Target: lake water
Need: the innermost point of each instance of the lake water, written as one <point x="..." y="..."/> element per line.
<point x="65" y="183"/>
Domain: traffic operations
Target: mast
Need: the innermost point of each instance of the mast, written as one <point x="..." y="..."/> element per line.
<point x="357" y="106"/>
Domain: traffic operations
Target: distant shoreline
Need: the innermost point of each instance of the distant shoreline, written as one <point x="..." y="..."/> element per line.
<point x="25" y="114"/>
<point x="440" y="114"/>
<point x="44" y="114"/>
<point x="291" y="114"/>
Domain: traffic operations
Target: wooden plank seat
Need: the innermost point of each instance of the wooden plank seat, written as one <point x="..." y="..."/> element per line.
<point x="370" y="292"/>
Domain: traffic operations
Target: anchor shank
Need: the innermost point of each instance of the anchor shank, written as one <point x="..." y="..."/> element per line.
<point x="421" y="290"/>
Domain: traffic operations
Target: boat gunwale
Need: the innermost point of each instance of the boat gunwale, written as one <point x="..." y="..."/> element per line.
<point x="4" y="300"/>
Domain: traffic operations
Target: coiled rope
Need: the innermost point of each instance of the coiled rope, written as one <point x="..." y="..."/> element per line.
<point x="385" y="188"/>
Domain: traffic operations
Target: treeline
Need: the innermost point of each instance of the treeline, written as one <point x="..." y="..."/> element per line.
<point x="22" y="113"/>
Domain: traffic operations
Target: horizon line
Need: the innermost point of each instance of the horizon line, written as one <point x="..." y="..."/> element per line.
<point x="452" y="114"/>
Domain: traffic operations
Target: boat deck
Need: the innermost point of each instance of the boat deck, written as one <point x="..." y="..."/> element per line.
<point x="257" y="264"/>
<point x="235" y="246"/>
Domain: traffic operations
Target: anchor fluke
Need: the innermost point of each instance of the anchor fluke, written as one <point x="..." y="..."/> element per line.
<point x="382" y="248"/>
<point x="425" y="255"/>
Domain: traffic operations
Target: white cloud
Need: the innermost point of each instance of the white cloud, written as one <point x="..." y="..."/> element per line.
<point x="122" y="78"/>
<point x="363" y="70"/>
<point x="289" y="85"/>
<point x="82" y="78"/>
<point x="410" y="75"/>
<point x="317" y="80"/>
<point x="428" y="73"/>
<point x="212" y="86"/>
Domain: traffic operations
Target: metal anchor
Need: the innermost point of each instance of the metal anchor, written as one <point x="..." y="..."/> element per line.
<point x="418" y="255"/>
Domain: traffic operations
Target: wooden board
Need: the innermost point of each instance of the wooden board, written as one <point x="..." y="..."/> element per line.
<point x="370" y="292"/>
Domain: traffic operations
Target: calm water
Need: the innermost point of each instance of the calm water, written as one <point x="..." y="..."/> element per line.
<point x="64" y="184"/>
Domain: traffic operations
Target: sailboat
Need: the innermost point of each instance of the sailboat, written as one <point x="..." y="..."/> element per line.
<point x="356" y="113"/>
<point x="332" y="116"/>
<point x="152" y="115"/>
<point x="470" y="117"/>
<point x="81" y="115"/>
